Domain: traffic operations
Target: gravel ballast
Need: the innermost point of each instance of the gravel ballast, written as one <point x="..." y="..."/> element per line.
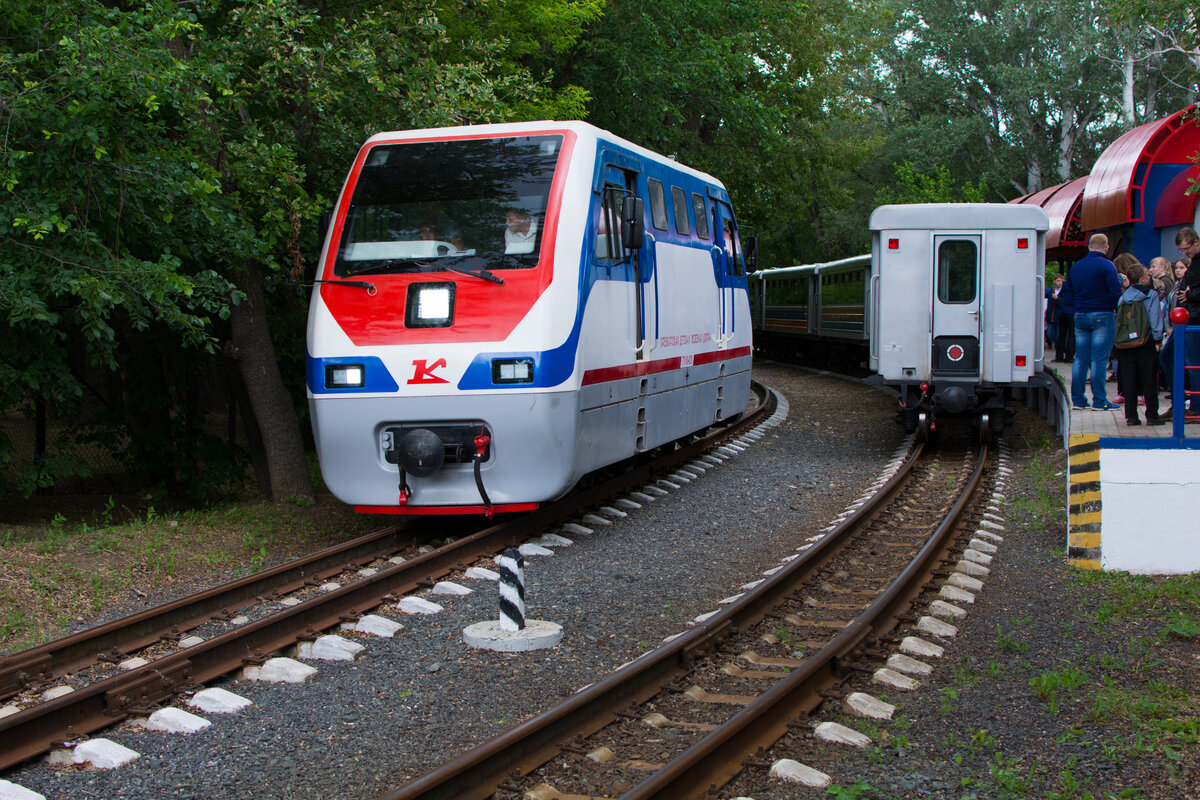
<point x="362" y="728"/>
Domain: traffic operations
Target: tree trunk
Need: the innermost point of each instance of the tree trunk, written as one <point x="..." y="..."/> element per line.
<point x="270" y="402"/>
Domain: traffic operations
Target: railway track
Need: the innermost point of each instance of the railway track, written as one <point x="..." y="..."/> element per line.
<point x="248" y="625"/>
<point x="693" y="715"/>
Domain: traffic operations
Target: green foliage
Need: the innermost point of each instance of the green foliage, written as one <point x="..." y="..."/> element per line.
<point x="912" y="186"/>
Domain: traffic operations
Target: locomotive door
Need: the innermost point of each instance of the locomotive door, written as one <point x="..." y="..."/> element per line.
<point x="728" y="258"/>
<point x="956" y="306"/>
<point x="625" y="264"/>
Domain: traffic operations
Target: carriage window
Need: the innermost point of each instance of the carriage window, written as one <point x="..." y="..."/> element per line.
<point x="679" y="198"/>
<point x="701" y="210"/>
<point x="658" y="205"/>
<point x="957" y="267"/>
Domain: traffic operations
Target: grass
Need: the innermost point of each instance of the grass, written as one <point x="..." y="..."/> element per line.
<point x="64" y="573"/>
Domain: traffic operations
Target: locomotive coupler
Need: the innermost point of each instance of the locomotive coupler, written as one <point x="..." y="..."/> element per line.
<point x="405" y="492"/>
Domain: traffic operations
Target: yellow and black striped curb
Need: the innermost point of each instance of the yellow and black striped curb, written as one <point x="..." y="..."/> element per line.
<point x="1083" y="509"/>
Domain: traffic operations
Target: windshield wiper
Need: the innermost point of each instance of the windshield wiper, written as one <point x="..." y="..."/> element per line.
<point x="482" y="273"/>
<point x="386" y="266"/>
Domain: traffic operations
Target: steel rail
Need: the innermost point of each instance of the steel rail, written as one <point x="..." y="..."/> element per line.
<point x="100" y="705"/>
<point x="718" y="757"/>
<point x="476" y="774"/>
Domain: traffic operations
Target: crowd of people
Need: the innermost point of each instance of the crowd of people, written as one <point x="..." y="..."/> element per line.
<point x="1118" y="312"/>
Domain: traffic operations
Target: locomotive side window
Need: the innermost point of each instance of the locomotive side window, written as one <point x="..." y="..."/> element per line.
<point x="701" y="210"/>
<point x="957" y="271"/>
<point x="658" y="204"/>
<point x="609" y="246"/>
<point x="679" y="200"/>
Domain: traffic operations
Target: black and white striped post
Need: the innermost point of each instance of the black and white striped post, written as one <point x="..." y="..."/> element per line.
<point x="512" y="590"/>
<point x="512" y="633"/>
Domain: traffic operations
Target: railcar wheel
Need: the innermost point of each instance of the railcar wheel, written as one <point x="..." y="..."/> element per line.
<point x="923" y="430"/>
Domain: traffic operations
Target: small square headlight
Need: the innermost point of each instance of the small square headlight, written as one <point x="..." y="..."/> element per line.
<point x="429" y="305"/>
<point x="345" y="376"/>
<point x="512" y="370"/>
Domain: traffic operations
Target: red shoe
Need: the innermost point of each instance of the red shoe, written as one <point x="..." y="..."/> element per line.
<point x="1120" y="400"/>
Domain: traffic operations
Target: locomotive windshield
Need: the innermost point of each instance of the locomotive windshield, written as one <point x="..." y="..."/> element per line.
<point x="467" y="205"/>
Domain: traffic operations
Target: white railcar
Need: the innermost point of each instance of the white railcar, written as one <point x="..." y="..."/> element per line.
<point x="955" y="306"/>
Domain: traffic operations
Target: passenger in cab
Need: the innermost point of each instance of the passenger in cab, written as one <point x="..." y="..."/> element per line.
<point x="520" y="232"/>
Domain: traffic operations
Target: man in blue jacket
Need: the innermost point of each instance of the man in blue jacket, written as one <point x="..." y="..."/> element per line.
<point x="1096" y="290"/>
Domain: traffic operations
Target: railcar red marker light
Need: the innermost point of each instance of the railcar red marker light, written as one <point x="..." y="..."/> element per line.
<point x="1022" y="243"/>
<point x="1020" y="361"/>
<point x="893" y="244"/>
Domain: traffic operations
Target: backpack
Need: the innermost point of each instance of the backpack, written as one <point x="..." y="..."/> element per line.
<point x="1133" y="325"/>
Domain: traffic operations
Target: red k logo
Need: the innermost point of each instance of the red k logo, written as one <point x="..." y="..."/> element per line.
<point x="423" y="373"/>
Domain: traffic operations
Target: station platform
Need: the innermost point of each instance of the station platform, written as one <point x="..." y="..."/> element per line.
<point x="1133" y="492"/>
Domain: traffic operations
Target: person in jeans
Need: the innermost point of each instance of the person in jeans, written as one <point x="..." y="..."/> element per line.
<point x="1096" y="290"/>
<point x="1187" y="293"/>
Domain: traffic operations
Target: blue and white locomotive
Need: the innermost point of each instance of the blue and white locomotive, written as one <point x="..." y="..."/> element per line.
<point x="502" y="309"/>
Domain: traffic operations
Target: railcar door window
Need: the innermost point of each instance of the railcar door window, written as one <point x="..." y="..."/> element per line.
<point x="701" y="211"/>
<point x="679" y="200"/>
<point x="449" y="206"/>
<point x="958" y="267"/>
<point x="658" y="204"/>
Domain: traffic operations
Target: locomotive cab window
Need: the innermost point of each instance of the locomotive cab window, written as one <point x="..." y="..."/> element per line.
<point x="449" y="206"/>
<point x="957" y="271"/>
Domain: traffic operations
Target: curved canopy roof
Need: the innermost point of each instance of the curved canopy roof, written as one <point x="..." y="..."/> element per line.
<point x="1113" y="194"/>
<point x="1061" y="204"/>
<point x="1175" y="205"/>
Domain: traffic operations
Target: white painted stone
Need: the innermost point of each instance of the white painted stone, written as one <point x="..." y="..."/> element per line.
<point x="655" y="491"/>
<point x="861" y="704"/>
<point x="731" y="599"/>
<point x="972" y="569"/>
<point x="612" y="512"/>
<point x="60" y="757"/>
<point x="450" y="588"/>
<point x="218" y="701"/>
<point x="329" y="587"/>
<point x="682" y="477"/>
<point x="103" y="754"/>
<point x="729" y="451"/>
<point x="772" y="570"/>
<point x="367" y="572"/>
<point x="935" y="627"/>
<point x="752" y="584"/>
<point x="983" y="547"/>
<point x="961" y="581"/>
<point x="993" y="526"/>
<point x="290" y="601"/>
<point x="716" y="462"/>
<point x="133" y="663"/>
<point x="577" y="529"/>
<point x="554" y="540"/>
<point x="697" y="468"/>
<point x="279" y="670"/>
<point x="592" y="519"/>
<point x="176" y="720"/>
<point x="56" y="692"/>
<point x="977" y="557"/>
<point x="667" y="483"/>
<point x="839" y="734"/>
<point x="672" y="637"/>
<point x="536" y="635"/>
<point x="418" y="605"/>
<point x="13" y="791"/>
<point x="330" y="648"/>
<point x="993" y="517"/>
<point x="944" y="610"/>
<point x="190" y="641"/>
<point x="240" y="619"/>
<point x="786" y="769"/>
<point x="894" y="680"/>
<point x="642" y="497"/>
<point x="989" y="536"/>
<point x="956" y="595"/>
<point x="529" y="550"/>
<point x="481" y="574"/>
<point x="8" y="711"/>
<point x="997" y="497"/>
<point x="908" y="665"/>
<point x="374" y="625"/>
<point x="397" y="560"/>
<point x="705" y="617"/>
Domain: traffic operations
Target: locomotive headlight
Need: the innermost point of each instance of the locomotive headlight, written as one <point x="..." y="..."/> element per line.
<point x="429" y="305"/>
<point x="512" y="370"/>
<point x="345" y="376"/>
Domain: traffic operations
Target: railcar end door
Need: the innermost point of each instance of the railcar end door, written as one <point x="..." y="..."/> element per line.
<point x="956" y="305"/>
